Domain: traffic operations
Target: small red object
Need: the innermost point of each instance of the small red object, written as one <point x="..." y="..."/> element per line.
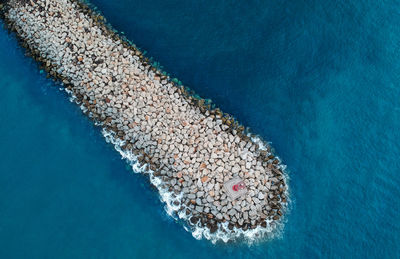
<point x="238" y="186"/>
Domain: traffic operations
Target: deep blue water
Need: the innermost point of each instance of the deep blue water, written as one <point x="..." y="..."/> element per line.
<point x="319" y="79"/>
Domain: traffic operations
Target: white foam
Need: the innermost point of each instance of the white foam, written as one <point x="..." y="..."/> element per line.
<point x="223" y="233"/>
<point x="250" y="236"/>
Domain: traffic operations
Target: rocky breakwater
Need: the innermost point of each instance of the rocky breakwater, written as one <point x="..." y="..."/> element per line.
<point x="191" y="148"/>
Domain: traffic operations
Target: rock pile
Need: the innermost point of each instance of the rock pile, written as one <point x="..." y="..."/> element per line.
<point x="192" y="147"/>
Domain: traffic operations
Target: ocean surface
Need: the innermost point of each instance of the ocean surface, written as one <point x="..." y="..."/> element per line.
<point x="319" y="79"/>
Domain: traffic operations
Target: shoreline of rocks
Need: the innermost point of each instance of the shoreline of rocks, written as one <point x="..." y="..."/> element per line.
<point x="190" y="147"/>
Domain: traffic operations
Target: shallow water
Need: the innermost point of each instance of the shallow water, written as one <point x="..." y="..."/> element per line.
<point x="318" y="80"/>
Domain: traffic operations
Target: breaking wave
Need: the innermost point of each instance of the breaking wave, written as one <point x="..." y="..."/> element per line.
<point x="177" y="212"/>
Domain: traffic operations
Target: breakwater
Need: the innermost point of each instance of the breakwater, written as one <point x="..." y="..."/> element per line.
<point x="191" y="148"/>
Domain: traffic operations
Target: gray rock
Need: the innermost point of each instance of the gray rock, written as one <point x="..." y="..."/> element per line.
<point x="256" y="200"/>
<point x="231" y="212"/>
<point x="235" y="169"/>
<point x="200" y="194"/>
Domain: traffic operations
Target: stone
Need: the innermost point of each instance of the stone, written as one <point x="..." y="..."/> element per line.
<point x="235" y="169"/>
<point x="194" y="220"/>
<point x="200" y="194"/>
<point x="232" y="212"/>
<point x="213" y="228"/>
<point x="264" y="224"/>
<point x="256" y="200"/>
<point x="199" y="208"/>
<point x="231" y="226"/>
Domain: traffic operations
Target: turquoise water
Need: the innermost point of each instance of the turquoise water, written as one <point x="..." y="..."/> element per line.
<point x="318" y="80"/>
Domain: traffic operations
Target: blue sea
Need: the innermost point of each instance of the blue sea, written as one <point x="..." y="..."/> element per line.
<point x="319" y="79"/>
